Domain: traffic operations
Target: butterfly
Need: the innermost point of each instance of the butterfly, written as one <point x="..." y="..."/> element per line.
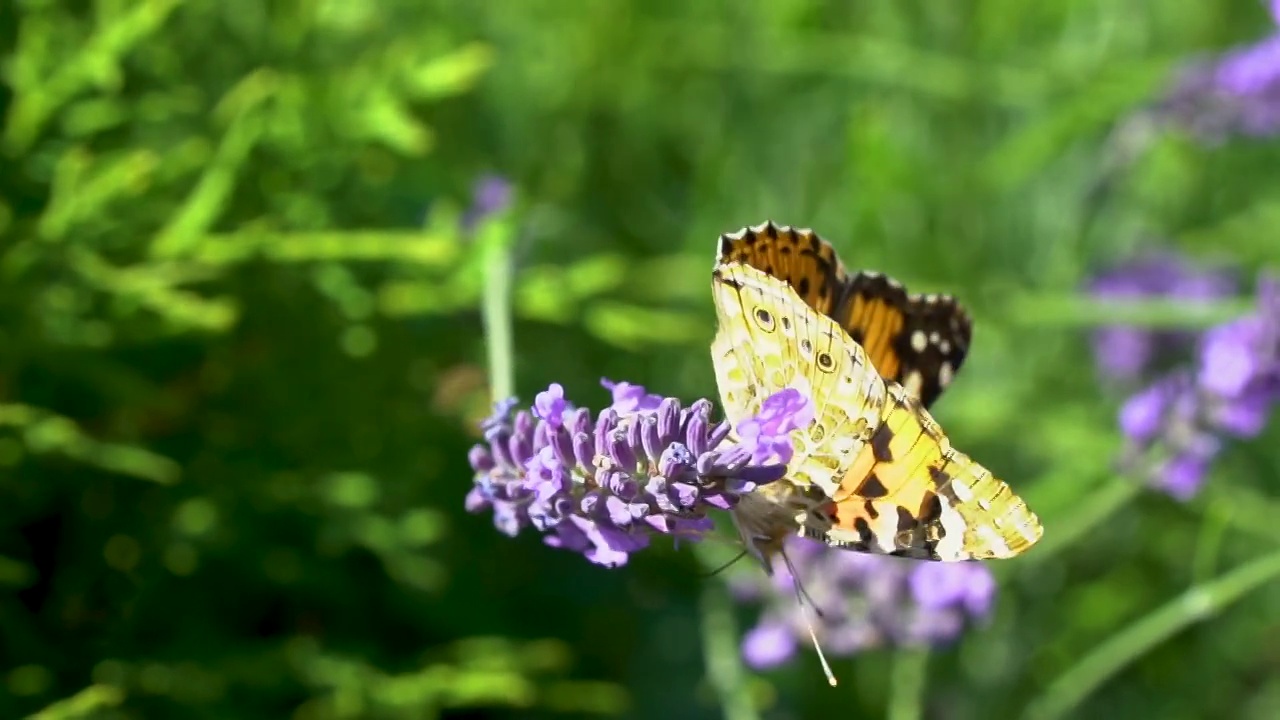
<point x="917" y="341"/>
<point x="873" y="472"/>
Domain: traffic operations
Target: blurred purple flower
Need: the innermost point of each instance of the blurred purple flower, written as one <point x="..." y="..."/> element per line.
<point x="769" y="644"/>
<point x="939" y="586"/>
<point x="1182" y="475"/>
<point x="490" y="195"/>
<point x="1237" y="92"/>
<point x="1126" y="352"/>
<point x="645" y="466"/>
<point x="867" y="601"/>
<point x="1177" y="425"/>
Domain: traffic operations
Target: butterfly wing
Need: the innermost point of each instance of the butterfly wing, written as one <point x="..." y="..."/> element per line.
<point x="797" y="256"/>
<point x="909" y="493"/>
<point x="873" y="472"/>
<point x="917" y="341"/>
<point x="768" y="341"/>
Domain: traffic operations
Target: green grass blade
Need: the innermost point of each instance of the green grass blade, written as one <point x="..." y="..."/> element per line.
<point x="1106" y="661"/>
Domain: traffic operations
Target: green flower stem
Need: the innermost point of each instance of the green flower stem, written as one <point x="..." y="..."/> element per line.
<point x="496" y="309"/>
<point x="720" y="652"/>
<point x="1198" y="603"/>
<point x="1071" y="310"/>
<point x="907" y="684"/>
<point x="1250" y="511"/>
<point x="1213" y="528"/>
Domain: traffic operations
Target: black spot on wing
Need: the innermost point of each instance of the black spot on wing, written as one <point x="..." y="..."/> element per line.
<point x="881" y="442"/>
<point x="871" y="488"/>
<point x="906" y="521"/>
<point x="930" y="509"/>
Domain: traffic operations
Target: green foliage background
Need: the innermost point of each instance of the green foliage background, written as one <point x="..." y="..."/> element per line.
<point x="242" y="356"/>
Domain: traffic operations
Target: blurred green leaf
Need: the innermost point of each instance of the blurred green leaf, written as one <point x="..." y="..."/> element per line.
<point x="14" y="573"/>
<point x="450" y="74"/>
<point x="205" y="202"/>
<point x="1245" y="232"/>
<point x="83" y="189"/>
<point x="43" y="432"/>
<point x="43" y="83"/>
<point x="1094" y="106"/>
<point x="430" y="251"/>
<point x="351" y="490"/>
<point x="87" y="703"/>
<point x="631" y="326"/>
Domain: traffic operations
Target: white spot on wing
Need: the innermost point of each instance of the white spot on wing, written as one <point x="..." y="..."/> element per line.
<point x="951" y="547"/>
<point x="884" y="528"/>
<point x="1029" y="532"/>
<point x="918" y="341"/>
<point x="998" y="546"/>
<point x="913" y="383"/>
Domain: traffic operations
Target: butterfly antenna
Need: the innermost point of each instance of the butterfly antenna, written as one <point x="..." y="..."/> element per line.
<point x="801" y="597"/>
<point x="726" y="566"/>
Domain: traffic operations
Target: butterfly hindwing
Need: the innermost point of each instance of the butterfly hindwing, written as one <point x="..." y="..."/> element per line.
<point x="909" y="493"/>
<point x="917" y="341"/>
<point x="798" y="257"/>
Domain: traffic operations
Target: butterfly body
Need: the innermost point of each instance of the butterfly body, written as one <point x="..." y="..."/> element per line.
<point x="873" y="472"/>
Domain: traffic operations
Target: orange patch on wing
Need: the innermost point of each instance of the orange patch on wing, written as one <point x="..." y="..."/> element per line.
<point x="794" y="255"/>
<point x="895" y="464"/>
<point x="880" y="323"/>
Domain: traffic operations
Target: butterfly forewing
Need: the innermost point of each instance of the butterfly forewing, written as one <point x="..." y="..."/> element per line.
<point x="766" y="342"/>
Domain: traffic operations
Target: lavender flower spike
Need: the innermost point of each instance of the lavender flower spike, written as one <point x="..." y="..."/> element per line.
<point x="1179" y="424"/>
<point x="867" y="601"/>
<point x="604" y="487"/>
<point x="1234" y="93"/>
<point x="491" y="194"/>
<point x="1125" y="352"/>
